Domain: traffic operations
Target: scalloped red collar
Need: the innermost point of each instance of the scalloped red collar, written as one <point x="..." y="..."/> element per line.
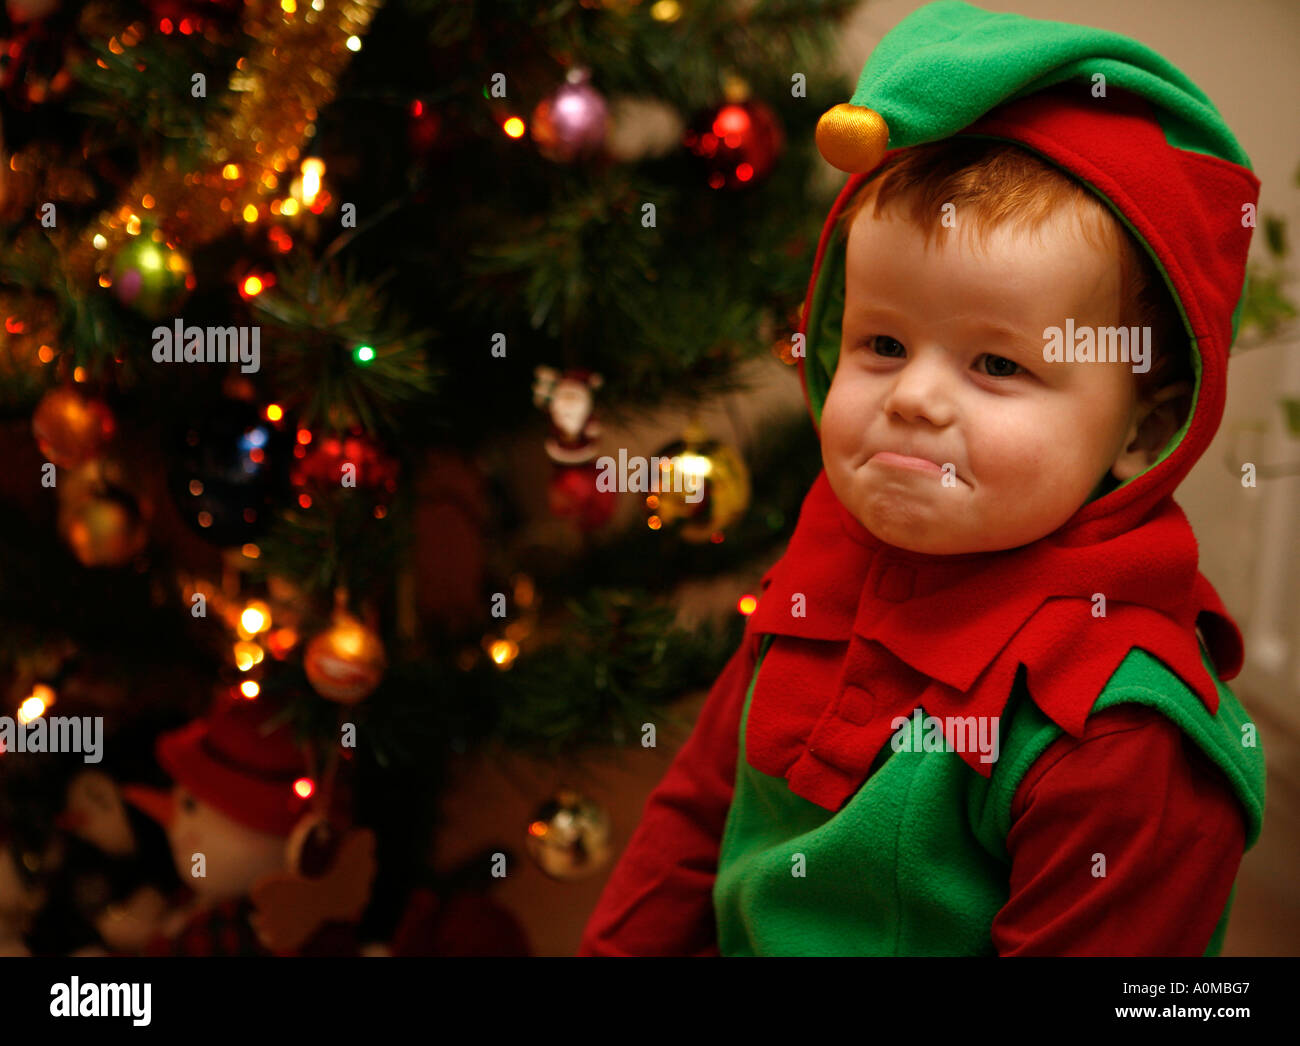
<point x="949" y="633"/>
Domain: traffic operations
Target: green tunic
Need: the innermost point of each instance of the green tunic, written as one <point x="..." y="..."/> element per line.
<point x="915" y="863"/>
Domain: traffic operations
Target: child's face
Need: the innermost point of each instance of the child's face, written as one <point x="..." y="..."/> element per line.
<point x="1025" y="441"/>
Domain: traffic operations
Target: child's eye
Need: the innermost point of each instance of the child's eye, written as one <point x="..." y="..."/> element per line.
<point x="883" y="345"/>
<point x="999" y="366"/>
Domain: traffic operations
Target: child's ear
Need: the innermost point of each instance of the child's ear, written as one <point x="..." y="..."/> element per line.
<point x="1156" y="421"/>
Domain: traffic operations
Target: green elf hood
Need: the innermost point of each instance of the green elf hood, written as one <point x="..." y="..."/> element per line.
<point x="1106" y="110"/>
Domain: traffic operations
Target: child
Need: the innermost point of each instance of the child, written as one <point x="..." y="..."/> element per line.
<point x="978" y="710"/>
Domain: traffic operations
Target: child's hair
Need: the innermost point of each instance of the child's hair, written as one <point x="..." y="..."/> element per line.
<point x="993" y="183"/>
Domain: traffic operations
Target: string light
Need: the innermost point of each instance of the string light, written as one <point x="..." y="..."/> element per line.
<point x="747" y="605"/>
<point x="503" y="652"/>
<point x="247" y="655"/>
<point x="514" y="127"/>
<point x="281" y="641"/>
<point x="313" y="169"/>
<point x="249" y="689"/>
<point x="304" y="787"/>
<point x="33" y="707"/>
<point x="255" y="618"/>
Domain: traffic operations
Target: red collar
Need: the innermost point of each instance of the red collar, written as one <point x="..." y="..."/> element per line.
<point x="962" y="626"/>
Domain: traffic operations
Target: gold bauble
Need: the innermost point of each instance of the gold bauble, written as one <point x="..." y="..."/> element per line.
<point x="345" y="662"/>
<point x="703" y="484"/>
<point x="104" y="529"/>
<point x="568" y="836"/>
<point x="71" y="428"/>
<point x="93" y="478"/>
<point x="852" y="137"/>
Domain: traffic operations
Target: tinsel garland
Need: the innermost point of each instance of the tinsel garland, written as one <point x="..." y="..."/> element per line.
<point x="280" y="86"/>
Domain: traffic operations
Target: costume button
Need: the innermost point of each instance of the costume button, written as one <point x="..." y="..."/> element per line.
<point x="856" y="705"/>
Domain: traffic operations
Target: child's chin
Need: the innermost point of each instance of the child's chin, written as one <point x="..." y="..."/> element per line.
<point x="909" y="534"/>
<point x="925" y="537"/>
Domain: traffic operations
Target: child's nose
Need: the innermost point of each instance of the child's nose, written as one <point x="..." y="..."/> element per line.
<point x="921" y="390"/>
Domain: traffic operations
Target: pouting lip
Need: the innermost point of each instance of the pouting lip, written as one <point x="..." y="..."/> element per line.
<point x="917" y="463"/>
<point x="906" y="460"/>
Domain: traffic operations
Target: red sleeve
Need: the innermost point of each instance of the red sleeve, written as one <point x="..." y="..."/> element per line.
<point x="659" y="898"/>
<point x="1135" y="789"/>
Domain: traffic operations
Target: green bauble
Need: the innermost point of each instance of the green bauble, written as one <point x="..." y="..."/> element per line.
<point x="151" y="277"/>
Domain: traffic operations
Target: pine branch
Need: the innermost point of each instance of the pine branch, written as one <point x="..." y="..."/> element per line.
<point x="340" y="354"/>
<point x="149" y="86"/>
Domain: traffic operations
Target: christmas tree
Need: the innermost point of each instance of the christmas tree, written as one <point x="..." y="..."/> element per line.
<point x="317" y="316"/>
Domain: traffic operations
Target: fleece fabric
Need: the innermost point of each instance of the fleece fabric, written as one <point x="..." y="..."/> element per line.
<point x="1110" y="607"/>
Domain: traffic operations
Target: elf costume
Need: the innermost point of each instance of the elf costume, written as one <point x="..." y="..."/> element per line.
<point x="1128" y="781"/>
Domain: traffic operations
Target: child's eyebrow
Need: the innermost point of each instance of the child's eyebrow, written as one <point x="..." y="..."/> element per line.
<point x="865" y="312"/>
<point x="868" y="311"/>
<point x="1001" y="330"/>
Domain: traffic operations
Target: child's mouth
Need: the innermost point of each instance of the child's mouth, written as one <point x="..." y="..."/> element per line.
<point x="903" y="461"/>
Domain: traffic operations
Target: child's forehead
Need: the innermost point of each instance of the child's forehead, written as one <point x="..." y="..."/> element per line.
<point x="966" y="227"/>
<point x="1015" y="277"/>
<point x="1020" y="275"/>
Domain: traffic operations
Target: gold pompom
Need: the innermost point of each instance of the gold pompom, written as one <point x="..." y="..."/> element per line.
<point x="852" y="137"/>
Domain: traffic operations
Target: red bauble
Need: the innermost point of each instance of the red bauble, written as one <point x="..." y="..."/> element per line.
<point x="739" y="143"/>
<point x="572" y="494"/>
<point x="321" y="467"/>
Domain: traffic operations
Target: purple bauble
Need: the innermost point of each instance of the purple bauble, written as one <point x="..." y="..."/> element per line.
<point x="571" y="123"/>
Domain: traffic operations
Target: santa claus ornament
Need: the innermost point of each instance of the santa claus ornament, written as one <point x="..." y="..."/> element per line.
<point x="569" y="400"/>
